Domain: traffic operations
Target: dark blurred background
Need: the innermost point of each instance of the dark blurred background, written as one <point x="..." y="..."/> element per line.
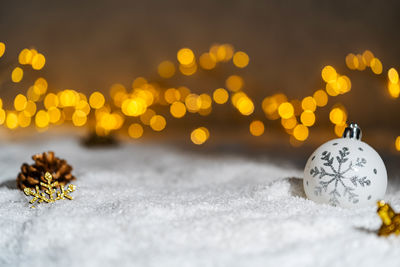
<point x="90" y="45"/>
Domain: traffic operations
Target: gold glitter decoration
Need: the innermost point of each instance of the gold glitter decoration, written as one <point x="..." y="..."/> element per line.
<point x="390" y="219"/>
<point x="50" y="194"/>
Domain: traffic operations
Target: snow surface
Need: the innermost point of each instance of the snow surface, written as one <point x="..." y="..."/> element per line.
<point x="155" y="205"/>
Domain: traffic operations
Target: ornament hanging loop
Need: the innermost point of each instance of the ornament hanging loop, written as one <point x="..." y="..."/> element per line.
<point x="353" y="131"/>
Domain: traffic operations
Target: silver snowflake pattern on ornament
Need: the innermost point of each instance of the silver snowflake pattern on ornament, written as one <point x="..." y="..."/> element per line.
<point x="338" y="183"/>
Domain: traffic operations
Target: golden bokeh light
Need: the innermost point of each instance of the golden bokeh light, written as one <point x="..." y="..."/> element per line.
<point x="82" y="97"/>
<point x="68" y="98"/>
<point x="367" y="56"/>
<point x="107" y="122"/>
<point x="393" y="75"/>
<point x="117" y="88"/>
<point x="343" y="84"/>
<point x="185" y="56"/>
<point x="339" y="129"/>
<point x="54" y="114"/>
<point x="365" y="59"/>
<point x="307" y="118"/>
<point x="100" y="131"/>
<point x="188" y="69"/>
<point x="2" y="116"/>
<point x="300" y="132"/>
<point x="102" y="111"/>
<point x="243" y="103"/>
<point x="241" y="59"/>
<point x="139" y="82"/>
<point x="206" y="131"/>
<point x="220" y="96"/>
<point x="234" y="83"/>
<point x="32" y="95"/>
<point x="42" y="119"/>
<point x="397" y="143"/>
<point x="61" y="120"/>
<point x="23" y="120"/>
<point x="207" y="61"/>
<point x="34" y="52"/>
<point x="351" y="61"/>
<point x="96" y="100"/>
<point x="134" y="106"/>
<point x="214" y="50"/>
<point x="51" y="100"/>
<point x="184" y="92"/>
<point x="83" y="106"/>
<point x="309" y="103"/>
<point x="360" y="63"/>
<point x="394" y="89"/>
<point x="205" y="112"/>
<point x="25" y="56"/>
<point x="257" y="128"/>
<point x="119" y="98"/>
<point x="193" y="103"/>
<point x="166" y="69"/>
<point x="146" y="96"/>
<point x="119" y="118"/>
<point x="40" y="86"/>
<point x="178" y="109"/>
<point x="339" y="86"/>
<point x="20" y="102"/>
<point x="135" y="130"/>
<point x="225" y="52"/>
<point x="38" y="61"/>
<point x="286" y="110"/>
<point x="12" y="120"/>
<point x="270" y="105"/>
<point x="17" y="74"/>
<point x="236" y="96"/>
<point x="206" y="101"/>
<point x="171" y="95"/>
<point x="79" y="118"/>
<point x="30" y="109"/>
<point x="338" y="116"/>
<point x="289" y="123"/>
<point x="321" y="98"/>
<point x="199" y="135"/>
<point x="222" y="52"/>
<point x="329" y="74"/>
<point x="2" y="49"/>
<point x="376" y="66"/>
<point x="331" y="89"/>
<point x="146" y="117"/>
<point x="158" y="123"/>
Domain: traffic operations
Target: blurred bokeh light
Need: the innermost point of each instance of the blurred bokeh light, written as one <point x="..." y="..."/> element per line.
<point x="239" y="68"/>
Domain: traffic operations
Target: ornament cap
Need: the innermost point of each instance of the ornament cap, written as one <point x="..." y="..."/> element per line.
<point x="353" y="131"/>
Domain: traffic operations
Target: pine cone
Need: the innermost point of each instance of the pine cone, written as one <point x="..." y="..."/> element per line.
<point x="32" y="175"/>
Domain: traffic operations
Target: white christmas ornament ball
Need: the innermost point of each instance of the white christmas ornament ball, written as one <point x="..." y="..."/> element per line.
<point x="345" y="172"/>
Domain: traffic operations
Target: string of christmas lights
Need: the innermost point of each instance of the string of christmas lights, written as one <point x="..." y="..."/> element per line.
<point x="43" y="108"/>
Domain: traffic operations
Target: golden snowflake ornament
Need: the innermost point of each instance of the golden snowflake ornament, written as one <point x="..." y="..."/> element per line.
<point x="390" y="219"/>
<point x="50" y="194"/>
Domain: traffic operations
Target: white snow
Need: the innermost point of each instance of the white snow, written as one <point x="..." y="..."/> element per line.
<point x="155" y="205"/>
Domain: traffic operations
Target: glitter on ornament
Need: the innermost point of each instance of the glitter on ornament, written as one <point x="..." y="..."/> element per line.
<point x="51" y="191"/>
